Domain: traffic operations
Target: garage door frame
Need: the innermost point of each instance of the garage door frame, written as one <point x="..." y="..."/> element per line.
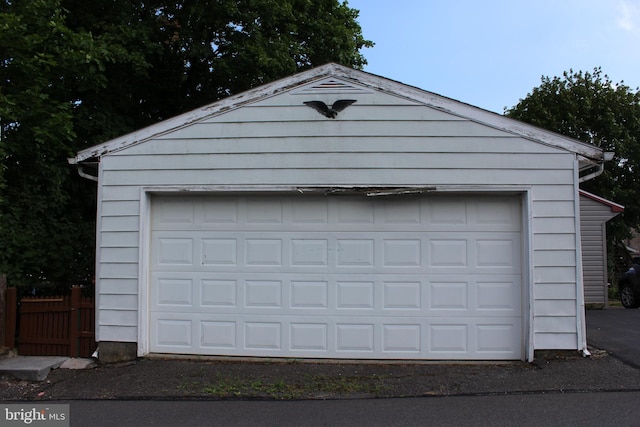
<point x="144" y="265"/>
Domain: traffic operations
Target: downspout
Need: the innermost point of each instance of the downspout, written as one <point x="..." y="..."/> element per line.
<point x="80" y="168"/>
<point x="86" y="175"/>
<point x="581" y="326"/>
<point x="580" y="305"/>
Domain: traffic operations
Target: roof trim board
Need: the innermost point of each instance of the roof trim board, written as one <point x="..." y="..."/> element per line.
<point x="615" y="208"/>
<point x="340" y="75"/>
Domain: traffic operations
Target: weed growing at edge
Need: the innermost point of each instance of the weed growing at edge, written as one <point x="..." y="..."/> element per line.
<point x="308" y="386"/>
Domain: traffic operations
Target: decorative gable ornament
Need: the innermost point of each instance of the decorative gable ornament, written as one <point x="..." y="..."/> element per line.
<point x="330" y="112"/>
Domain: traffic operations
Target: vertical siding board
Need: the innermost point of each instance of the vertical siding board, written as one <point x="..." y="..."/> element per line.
<point x="74" y="325"/>
<point x="12" y="317"/>
<point x="51" y="323"/>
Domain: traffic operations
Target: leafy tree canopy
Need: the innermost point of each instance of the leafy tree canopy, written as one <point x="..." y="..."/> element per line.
<point x="174" y="56"/>
<point x="44" y="67"/>
<point x="590" y="107"/>
<point x="74" y="73"/>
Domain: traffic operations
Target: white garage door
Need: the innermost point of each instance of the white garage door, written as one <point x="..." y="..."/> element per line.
<point x="337" y="276"/>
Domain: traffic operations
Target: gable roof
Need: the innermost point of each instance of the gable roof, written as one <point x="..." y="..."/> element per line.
<point x="589" y="153"/>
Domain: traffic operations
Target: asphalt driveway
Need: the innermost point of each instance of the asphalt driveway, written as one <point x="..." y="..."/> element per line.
<point x="616" y="330"/>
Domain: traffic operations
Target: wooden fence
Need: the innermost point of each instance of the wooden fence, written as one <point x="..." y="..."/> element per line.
<point x="51" y="326"/>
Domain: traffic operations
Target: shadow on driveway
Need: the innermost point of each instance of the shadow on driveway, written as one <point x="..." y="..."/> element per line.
<point x="616" y="330"/>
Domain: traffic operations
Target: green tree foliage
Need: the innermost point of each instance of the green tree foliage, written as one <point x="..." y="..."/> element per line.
<point x="43" y="66"/>
<point x="74" y="73"/>
<point x="177" y="56"/>
<point x="593" y="109"/>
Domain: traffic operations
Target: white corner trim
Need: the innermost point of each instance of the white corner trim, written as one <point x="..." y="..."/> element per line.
<point x="143" y="272"/>
<point x="97" y="278"/>
<point x="581" y="323"/>
<point x="528" y="277"/>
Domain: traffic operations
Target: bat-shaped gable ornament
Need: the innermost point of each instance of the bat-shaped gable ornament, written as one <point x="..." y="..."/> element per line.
<point x="330" y="112"/>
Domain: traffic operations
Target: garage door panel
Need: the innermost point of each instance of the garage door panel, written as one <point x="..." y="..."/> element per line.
<point x="263" y="252"/>
<point x="309" y="252"/>
<point x="218" y="334"/>
<point x="218" y="293"/>
<point x="171" y="212"/>
<point x="498" y="213"/>
<point x="496" y="338"/>
<point x="173" y="334"/>
<point x="173" y="292"/>
<point x="263" y="294"/>
<point x="462" y="214"/>
<point x="312" y="336"/>
<point x="309" y="336"/>
<point x="345" y="277"/>
<point x="175" y="251"/>
<point x="403" y="338"/>
<point x="309" y="294"/>
<point x="483" y="337"/>
<point x="436" y="252"/>
<point x="398" y="252"/>
<point x="502" y="253"/>
<point x="394" y="295"/>
<point x="498" y="295"/>
<point x="219" y="251"/>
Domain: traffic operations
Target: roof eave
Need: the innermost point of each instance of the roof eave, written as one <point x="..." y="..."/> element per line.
<point x="615" y="208"/>
<point x="430" y="99"/>
<point x="190" y="117"/>
<point x="477" y="114"/>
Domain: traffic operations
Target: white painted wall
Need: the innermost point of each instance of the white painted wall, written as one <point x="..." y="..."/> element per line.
<point x="382" y="140"/>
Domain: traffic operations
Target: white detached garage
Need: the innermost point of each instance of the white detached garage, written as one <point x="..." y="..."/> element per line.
<point x="398" y="224"/>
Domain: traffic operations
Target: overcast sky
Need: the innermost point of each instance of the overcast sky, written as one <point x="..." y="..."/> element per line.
<point x="491" y="53"/>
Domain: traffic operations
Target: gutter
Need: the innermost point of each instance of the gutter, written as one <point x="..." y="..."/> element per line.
<point x="81" y="170"/>
<point x="608" y="155"/>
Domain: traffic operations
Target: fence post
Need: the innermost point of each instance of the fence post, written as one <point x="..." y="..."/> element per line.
<point x="11" y="316"/>
<point x="74" y="324"/>
<point x="3" y="307"/>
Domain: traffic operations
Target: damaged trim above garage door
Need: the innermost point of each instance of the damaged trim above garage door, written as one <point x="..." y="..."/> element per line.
<point x="369" y="191"/>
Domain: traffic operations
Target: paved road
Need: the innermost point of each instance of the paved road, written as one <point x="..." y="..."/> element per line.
<point x="616" y="330"/>
<point x="555" y="409"/>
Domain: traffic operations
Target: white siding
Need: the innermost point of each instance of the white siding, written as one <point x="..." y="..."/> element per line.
<point x="554" y="267"/>
<point x="381" y="140"/>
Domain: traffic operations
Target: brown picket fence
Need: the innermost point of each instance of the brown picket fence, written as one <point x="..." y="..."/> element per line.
<point x="53" y="326"/>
